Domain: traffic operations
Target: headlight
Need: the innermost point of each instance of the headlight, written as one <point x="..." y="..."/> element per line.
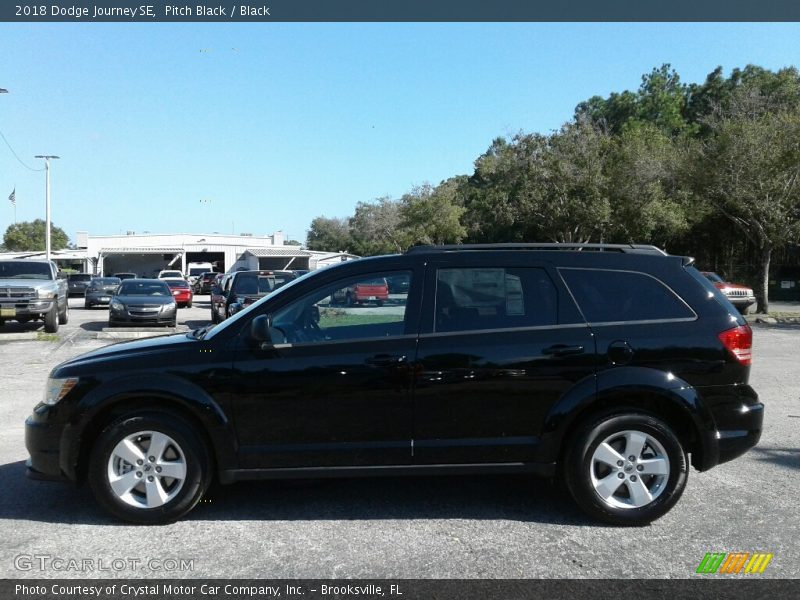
<point x="58" y="388"/>
<point x="115" y="304"/>
<point x="167" y="307"/>
<point x="44" y="293"/>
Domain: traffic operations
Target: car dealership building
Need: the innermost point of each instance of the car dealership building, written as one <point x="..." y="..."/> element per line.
<point x="147" y="254"/>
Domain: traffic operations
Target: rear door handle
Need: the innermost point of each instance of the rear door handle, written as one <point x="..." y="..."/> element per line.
<point x="386" y="360"/>
<point x="562" y="350"/>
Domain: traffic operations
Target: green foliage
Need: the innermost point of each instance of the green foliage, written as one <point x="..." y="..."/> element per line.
<point x="329" y="235"/>
<point x="29" y="236"/>
<point x="376" y="228"/>
<point x="646" y="175"/>
<point x="432" y="215"/>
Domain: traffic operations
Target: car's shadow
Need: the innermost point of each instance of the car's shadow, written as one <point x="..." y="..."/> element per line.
<point x="783" y="457"/>
<point x="501" y="497"/>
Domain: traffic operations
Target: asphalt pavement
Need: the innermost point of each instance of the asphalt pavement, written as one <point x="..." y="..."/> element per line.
<point x="437" y="527"/>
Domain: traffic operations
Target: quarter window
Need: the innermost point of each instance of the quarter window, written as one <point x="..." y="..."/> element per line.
<point x="494" y="298"/>
<point x="606" y="296"/>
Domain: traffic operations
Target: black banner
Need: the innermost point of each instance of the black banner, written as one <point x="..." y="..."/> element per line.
<point x="150" y="11"/>
<point x="709" y="587"/>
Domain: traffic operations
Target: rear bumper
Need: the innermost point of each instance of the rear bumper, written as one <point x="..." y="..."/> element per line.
<point x="738" y="418"/>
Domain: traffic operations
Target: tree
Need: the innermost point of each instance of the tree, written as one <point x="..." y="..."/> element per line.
<point x="377" y="228"/>
<point x="576" y="206"/>
<point x="329" y="235"/>
<point x="647" y="187"/>
<point x="29" y="236"/>
<point x="505" y="189"/>
<point x="749" y="168"/>
<point x="433" y="215"/>
<point x="660" y="100"/>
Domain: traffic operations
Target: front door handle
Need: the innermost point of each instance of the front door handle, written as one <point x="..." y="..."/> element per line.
<point x="562" y="350"/>
<point x="386" y="360"/>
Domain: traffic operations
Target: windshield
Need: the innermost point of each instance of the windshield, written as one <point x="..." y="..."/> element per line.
<point x="25" y="270"/>
<point x="199" y="271"/>
<point x="245" y="311"/>
<point x="253" y="284"/>
<point x="133" y="287"/>
<point x="105" y="281"/>
<point x="80" y="277"/>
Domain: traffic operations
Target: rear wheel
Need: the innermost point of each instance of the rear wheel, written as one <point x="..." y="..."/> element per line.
<point x="188" y="305"/>
<point x="149" y="468"/>
<point x="626" y="468"/>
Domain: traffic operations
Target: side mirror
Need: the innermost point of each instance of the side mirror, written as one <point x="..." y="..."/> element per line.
<point x="259" y="329"/>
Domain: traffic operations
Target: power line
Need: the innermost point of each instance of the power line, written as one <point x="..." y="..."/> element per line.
<point x="19" y="160"/>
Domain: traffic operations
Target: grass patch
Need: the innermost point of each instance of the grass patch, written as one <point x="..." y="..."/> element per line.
<point x="339" y="318"/>
<point x="46" y="337"/>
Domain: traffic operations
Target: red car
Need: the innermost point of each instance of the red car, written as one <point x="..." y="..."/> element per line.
<point x="741" y="296"/>
<point x="181" y="291"/>
<point x="369" y="290"/>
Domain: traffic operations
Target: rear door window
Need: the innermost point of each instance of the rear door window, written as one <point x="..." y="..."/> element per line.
<point x="477" y="298"/>
<point x="609" y="296"/>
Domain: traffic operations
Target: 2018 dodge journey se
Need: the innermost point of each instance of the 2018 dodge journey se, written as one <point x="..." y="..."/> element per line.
<point x="614" y="367"/>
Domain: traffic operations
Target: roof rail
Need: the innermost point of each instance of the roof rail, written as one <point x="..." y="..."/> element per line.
<point x="577" y="247"/>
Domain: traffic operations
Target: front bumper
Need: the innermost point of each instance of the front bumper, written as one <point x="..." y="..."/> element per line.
<point x="742" y="301"/>
<point x="25" y="308"/>
<point x="126" y="316"/>
<point x="43" y="441"/>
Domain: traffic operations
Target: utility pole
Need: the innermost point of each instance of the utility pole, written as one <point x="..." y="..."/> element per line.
<point x="47" y="158"/>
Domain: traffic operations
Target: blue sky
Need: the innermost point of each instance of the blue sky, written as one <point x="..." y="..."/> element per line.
<point x="274" y="124"/>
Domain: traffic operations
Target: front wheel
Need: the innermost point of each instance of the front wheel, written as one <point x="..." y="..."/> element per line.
<point x="51" y="319"/>
<point x="63" y="316"/>
<point x="149" y="468"/>
<point x="626" y="468"/>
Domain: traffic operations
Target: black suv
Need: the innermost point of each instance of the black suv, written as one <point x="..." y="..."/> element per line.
<point x="245" y="288"/>
<point x="606" y="365"/>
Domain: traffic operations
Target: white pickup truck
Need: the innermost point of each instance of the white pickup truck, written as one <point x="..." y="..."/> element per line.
<point x="32" y="290"/>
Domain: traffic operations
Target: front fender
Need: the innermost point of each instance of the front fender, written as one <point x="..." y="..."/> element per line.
<point x="169" y="389"/>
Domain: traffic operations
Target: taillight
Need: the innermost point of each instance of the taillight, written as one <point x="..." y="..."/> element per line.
<point x="739" y="342"/>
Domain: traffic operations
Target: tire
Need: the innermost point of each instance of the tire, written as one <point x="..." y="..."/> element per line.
<point x="214" y="318"/>
<point x="173" y="323"/>
<point x="181" y="451"/>
<point x="87" y="306"/>
<point x="188" y="305"/>
<point x="744" y="309"/>
<point x="379" y="302"/>
<point x="51" y="320"/>
<point x="63" y="317"/>
<point x="590" y="469"/>
<point x="348" y="300"/>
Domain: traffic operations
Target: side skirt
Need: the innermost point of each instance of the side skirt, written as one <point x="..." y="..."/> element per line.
<point x="540" y="469"/>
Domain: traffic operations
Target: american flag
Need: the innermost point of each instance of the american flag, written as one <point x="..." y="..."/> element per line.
<point x="13" y="197"/>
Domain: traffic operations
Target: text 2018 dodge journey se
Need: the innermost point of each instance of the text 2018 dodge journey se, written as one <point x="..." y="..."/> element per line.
<point x="606" y="365"/>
